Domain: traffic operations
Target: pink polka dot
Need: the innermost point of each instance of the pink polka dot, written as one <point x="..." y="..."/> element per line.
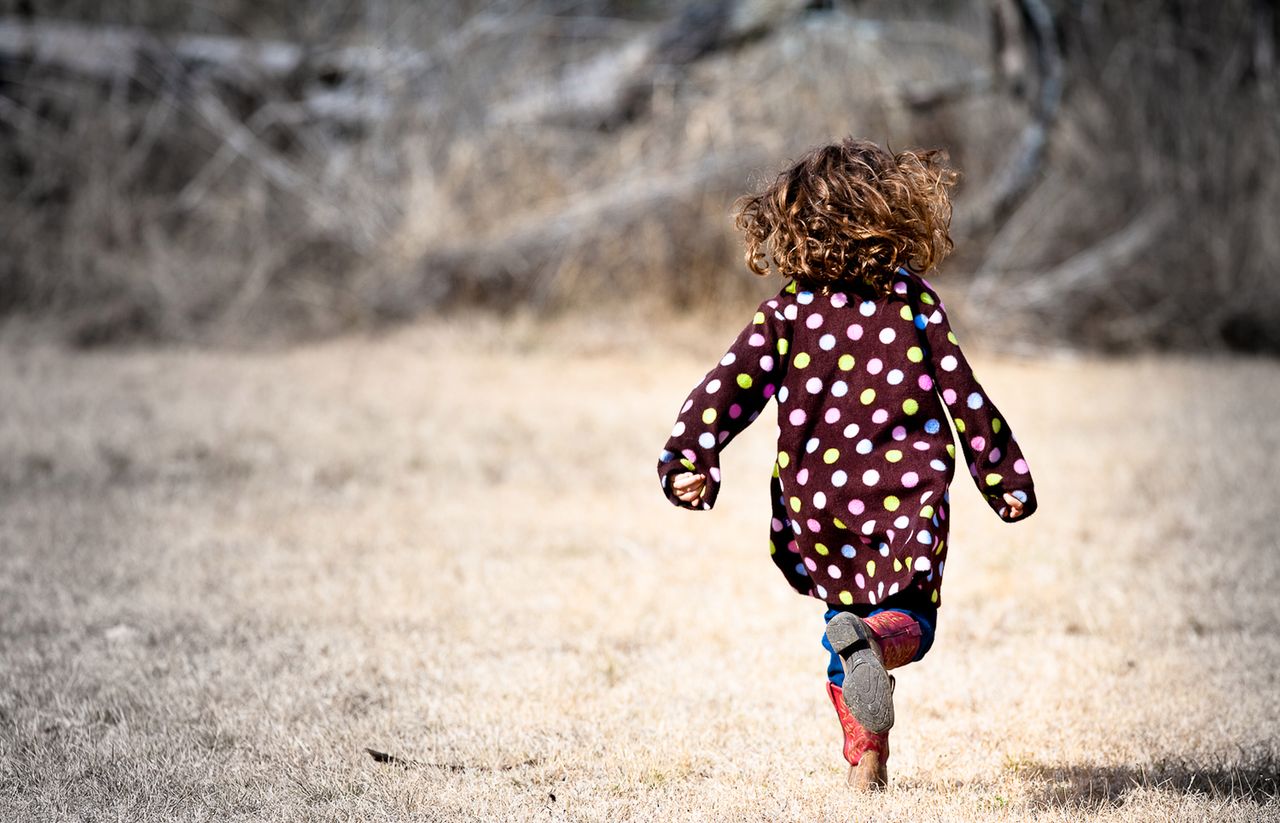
<point x="874" y="365"/>
<point x="855" y="332"/>
<point x="920" y="445"/>
<point x="735" y="411"/>
<point x="814" y="321"/>
<point x="802" y="476"/>
<point x="833" y="571"/>
<point x="756" y="340"/>
<point x="910" y="480"/>
<point x="860" y="580"/>
<point x="814" y="525"/>
<point x="768" y="391"/>
<point x="793" y="548"/>
<point x="715" y="474"/>
<point x="832" y="415"/>
<point x="766" y="363"/>
<point x="810" y="565"/>
<point x="857" y="507"/>
<point x="1020" y="466"/>
<point x="926" y="382"/>
<point x="776" y="524"/>
<point x="978" y="443"/>
<point x="796" y="417"/>
<point x="899" y="432"/>
<point x="690" y="455"/>
<point x="879" y="416"/>
<point x="949" y="395"/>
<point x="839" y="299"/>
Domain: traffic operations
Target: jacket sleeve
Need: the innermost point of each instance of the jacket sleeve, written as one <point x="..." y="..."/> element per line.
<point x="727" y="399"/>
<point x="995" y="460"/>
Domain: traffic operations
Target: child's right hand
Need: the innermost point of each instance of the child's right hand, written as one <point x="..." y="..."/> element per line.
<point x="689" y="487"/>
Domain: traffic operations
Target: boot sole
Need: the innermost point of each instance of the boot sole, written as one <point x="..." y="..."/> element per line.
<point x="867" y="689"/>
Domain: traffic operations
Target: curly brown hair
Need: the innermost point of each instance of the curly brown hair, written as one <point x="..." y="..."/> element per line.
<point x="851" y="211"/>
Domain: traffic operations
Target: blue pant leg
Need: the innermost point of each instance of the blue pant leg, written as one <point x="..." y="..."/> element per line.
<point x="927" y="622"/>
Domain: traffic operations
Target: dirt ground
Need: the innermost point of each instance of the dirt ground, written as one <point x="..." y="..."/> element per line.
<point x="224" y="575"/>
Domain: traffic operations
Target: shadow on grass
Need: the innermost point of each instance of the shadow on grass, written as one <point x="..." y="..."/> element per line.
<point x="1254" y="778"/>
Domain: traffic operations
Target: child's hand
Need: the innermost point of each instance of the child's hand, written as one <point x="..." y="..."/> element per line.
<point x="689" y="487"/>
<point x="1014" y="510"/>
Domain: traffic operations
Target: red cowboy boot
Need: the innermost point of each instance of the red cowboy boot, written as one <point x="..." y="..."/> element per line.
<point x="868" y="647"/>
<point x="897" y="634"/>
<point x="867" y="753"/>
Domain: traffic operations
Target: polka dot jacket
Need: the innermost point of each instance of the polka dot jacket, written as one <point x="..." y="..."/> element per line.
<point x="865" y="453"/>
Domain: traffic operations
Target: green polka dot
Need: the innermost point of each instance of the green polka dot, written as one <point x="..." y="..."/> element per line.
<point x="759" y="318"/>
<point x="915" y="354"/>
<point x="934" y="596"/>
<point x="744" y="380"/>
<point x="795" y="504"/>
<point x="782" y="346"/>
<point x="996" y="425"/>
<point x="910" y="405"/>
<point x="845" y="362"/>
<point x="846" y="598"/>
<point x="867" y="397"/>
<point x="791" y="287"/>
<point x="709" y="416"/>
<point x="891" y="503"/>
<point x="926" y="512"/>
<point x="893" y="455"/>
<point x="926" y="299"/>
<point x="951" y="449"/>
<point x="952" y="337"/>
<point x="906" y="313"/>
<point x="830" y="456"/>
<point x="897" y="565"/>
<point x="783" y="459"/>
<point x="801" y="360"/>
<point x="821" y="548"/>
<point x="772" y="548"/>
<point x="687" y="463"/>
<point x="959" y="425"/>
<point x="993" y="479"/>
<point x="871" y="568"/>
<point x="839" y="523"/>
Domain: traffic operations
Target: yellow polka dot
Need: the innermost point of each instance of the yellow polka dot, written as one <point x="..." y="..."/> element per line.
<point x="926" y="512"/>
<point x="934" y="596"/>
<point x="845" y="362"/>
<point x="996" y="425"/>
<point x="993" y="479"/>
<point x="783" y="459"/>
<point x="782" y="346"/>
<point x="951" y="449"/>
<point x="759" y="318"/>
<point x="744" y="380"/>
<point x="938" y="550"/>
<point x="926" y="299"/>
<point x="687" y="463"/>
<point x="709" y="416"/>
<point x="795" y="504"/>
<point x="867" y="397"/>
<point x="891" y="503"/>
<point x="959" y="425"/>
<point x="839" y="523"/>
<point x="830" y="456"/>
<point x="821" y="548"/>
<point x="897" y="565"/>
<point x="910" y="405"/>
<point x="801" y="360"/>
<point x="952" y="337"/>
<point x="772" y="548"/>
<point x="893" y="455"/>
<point x="791" y="287"/>
<point x="905" y="314"/>
<point x="915" y="354"/>
<point x="871" y="568"/>
<point x="846" y="598"/>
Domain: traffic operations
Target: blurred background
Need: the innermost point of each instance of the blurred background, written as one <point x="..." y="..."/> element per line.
<point x="234" y="171"/>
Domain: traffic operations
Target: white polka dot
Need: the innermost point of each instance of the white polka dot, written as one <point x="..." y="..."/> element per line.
<point x="766" y="363"/>
<point x="887" y="335"/>
<point x="713" y="386"/>
<point x="923" y="564"/>
<point x="790" y="312"/>
<point x="832" y="416"/>
<point x="813" y="385"/>
<point x="804" y="298"/>
<point x="863" y="447"/>
<point x="706" y="440"/>
<point x="819" y="500"/>
<point x="822" y="592"/>
<point x="728" y="359"/>
<point x="851" y="430"/>
<point x="879" y="416"/>
<point x="827" y="342"/>
<point x="839" y="388"/>
<point x="688" y="404"/>
<point x="870" y="477"/>
<point x="875" y="365"/>
<point x="867" y="308"/>
<point x="833" y="571"/>
<point x="948" y="363"/>
<point x="902" y="521"/>
<point x="839" y="478"/>
<point x="678" y="429"/>
<point x="894" y="377"/>
<point x="783" y="394"/>
<point x="812" y="445"/>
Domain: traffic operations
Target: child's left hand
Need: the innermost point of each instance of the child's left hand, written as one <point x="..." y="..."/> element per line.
<point x="689" y="487"/>
<point x="1014" y="510"/>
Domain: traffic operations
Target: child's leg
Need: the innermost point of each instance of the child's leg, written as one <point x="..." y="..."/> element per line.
<point x="905" y="636"/>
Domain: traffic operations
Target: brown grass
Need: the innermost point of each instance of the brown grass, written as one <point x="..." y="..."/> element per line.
<point x="225" y="575"/>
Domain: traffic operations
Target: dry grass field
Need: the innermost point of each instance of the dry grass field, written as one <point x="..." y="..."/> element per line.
<point x="226" y="574"/>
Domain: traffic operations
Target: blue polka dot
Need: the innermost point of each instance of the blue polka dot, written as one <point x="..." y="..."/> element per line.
<point x="846" y="550"/>
<point x="921" y="320"/>
<point x="801" y="570"/>
<point x="975" y="401"/>
<point x="932" y="425"/>
<point x="666" y="455"/>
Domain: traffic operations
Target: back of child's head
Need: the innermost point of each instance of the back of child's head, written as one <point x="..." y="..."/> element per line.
<point x="851" y="213"/>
